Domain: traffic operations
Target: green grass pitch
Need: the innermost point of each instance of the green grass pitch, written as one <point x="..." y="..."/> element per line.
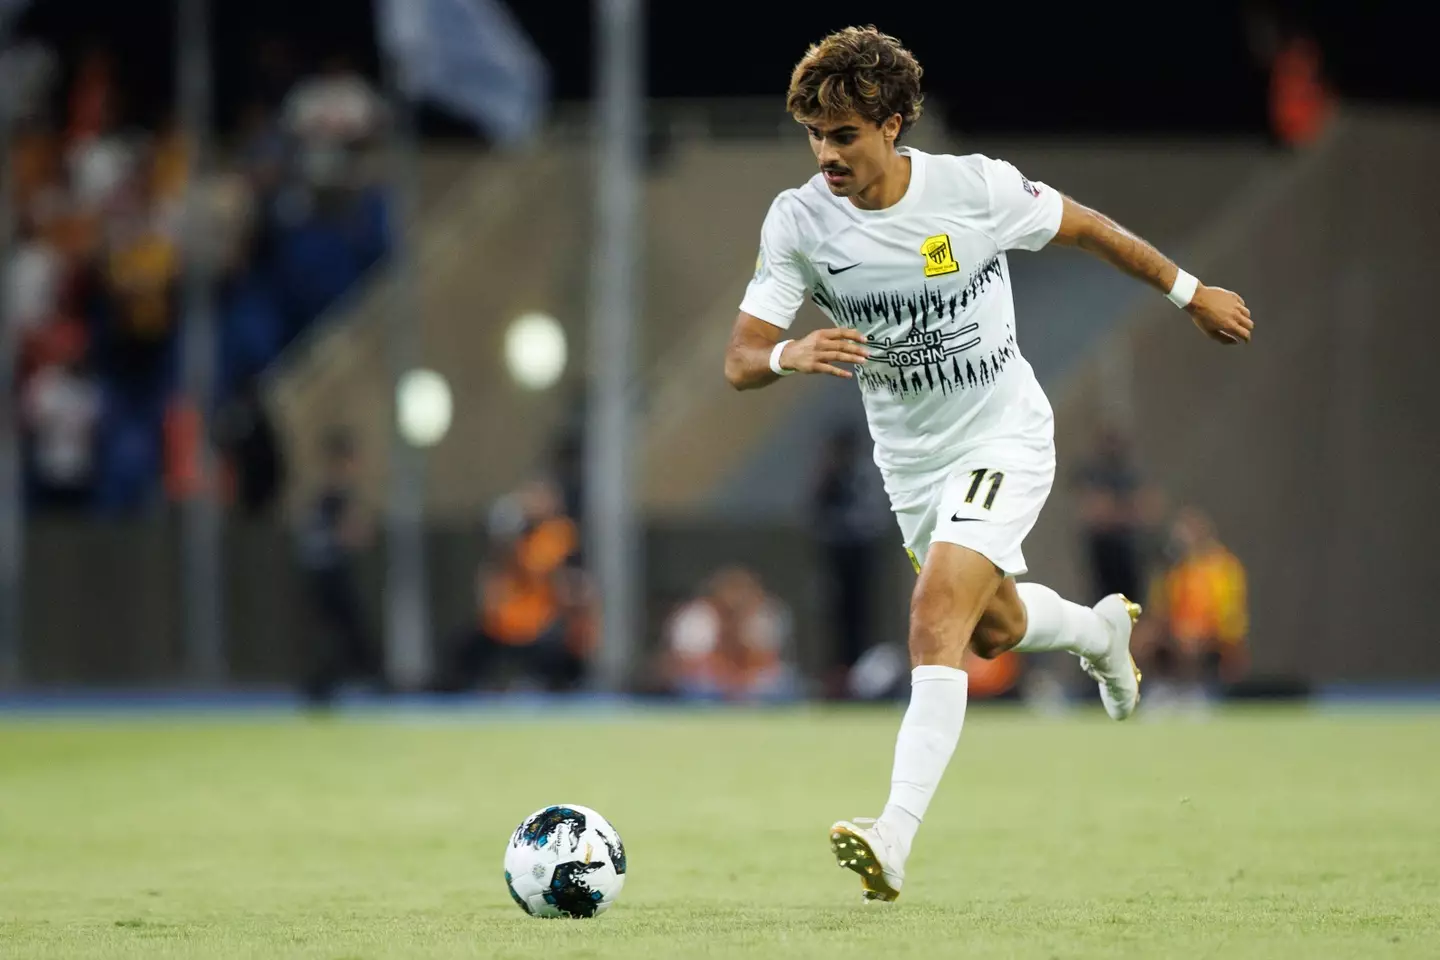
<point x="1256" y="834"/>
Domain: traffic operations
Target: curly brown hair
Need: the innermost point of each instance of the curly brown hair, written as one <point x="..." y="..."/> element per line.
<point x="857" y="70"/>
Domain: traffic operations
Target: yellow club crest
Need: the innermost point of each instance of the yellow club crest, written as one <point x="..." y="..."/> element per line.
<point x="938" y="257"/>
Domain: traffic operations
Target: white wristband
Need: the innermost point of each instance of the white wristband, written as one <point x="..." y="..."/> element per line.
<point x="775" y="367"/>
<point x="1182" y="291"/>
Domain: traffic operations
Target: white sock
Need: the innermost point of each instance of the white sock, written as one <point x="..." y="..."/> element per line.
<point x="1055" y="623"/>
<point x="927" y="738"/>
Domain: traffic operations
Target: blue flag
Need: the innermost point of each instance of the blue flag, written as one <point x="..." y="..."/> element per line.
<point x="470" y="57"/>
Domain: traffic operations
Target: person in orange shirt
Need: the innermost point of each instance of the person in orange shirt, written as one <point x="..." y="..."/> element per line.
<point x="1196" y="623"/>
<point x="533" y="614"/>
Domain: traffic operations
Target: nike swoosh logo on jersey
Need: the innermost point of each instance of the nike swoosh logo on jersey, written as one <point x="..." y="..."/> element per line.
<point x="834" y="271"/>
<point x="959" y="519"/>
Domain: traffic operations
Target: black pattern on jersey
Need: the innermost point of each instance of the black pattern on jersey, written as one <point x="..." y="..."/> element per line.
<point x="907" y="332"/>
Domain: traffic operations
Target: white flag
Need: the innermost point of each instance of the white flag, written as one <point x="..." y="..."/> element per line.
<point x="471" y="57"/>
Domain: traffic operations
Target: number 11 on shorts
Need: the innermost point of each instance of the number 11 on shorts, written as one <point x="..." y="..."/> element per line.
<point x="977" y="478"/>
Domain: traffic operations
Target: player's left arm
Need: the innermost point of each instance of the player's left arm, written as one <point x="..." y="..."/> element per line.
<point x="1221" y="314"/>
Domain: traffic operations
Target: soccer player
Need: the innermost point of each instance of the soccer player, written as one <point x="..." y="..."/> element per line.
<point x="905" y="253"/>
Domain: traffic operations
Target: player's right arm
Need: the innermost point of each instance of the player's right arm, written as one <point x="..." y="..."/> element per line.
<point x="771" y="302"/>
<point x="752" y="341"/>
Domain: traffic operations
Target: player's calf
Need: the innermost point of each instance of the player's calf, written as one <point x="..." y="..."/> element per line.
<point x="955" y="587"/>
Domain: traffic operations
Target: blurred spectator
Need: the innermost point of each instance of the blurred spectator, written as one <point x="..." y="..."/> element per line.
<point x="98" y="157"/>
<point x="320" y="255"/>
<point x="139" y="289"/>
<point x="98" y="264"/>
<point x="1301" y="101"/>
<point x="331" y="538"/>
<point x="38" y="171"/>
<point x="535" y="610"/>
<point x="731" y="643"/>
<point x="32" y="281"/>
<point x="246" y="438"/>
<point x="62" y="409"/>
<point x="336" y="106"/>
<point x="1192" y="638"/>
<point x="98" y="167"/>
<point x="847" y="525"/>
<point x="182" y="432"/>
<point x="166" y="175"/>
<point x="332" y="114"/>
<point x="1114" y="505"/>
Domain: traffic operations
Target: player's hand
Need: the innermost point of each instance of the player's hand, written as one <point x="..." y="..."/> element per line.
<point x="820" y="351"/>
<point x="1221" y="315"/>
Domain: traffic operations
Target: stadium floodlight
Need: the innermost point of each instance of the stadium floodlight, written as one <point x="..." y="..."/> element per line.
<point x="535" y="350"/>
<point x="424" y="407"/>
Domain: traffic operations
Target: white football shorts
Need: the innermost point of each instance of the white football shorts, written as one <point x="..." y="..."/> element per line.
<point x="988" y="501"/>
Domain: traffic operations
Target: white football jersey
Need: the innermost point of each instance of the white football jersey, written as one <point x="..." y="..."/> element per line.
<point x="926" y="281"/>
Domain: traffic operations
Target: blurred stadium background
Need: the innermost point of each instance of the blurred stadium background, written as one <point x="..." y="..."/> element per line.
<point x="233" y="230"/>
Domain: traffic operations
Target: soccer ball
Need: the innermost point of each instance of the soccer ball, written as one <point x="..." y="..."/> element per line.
<point x="565" y="861"/>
